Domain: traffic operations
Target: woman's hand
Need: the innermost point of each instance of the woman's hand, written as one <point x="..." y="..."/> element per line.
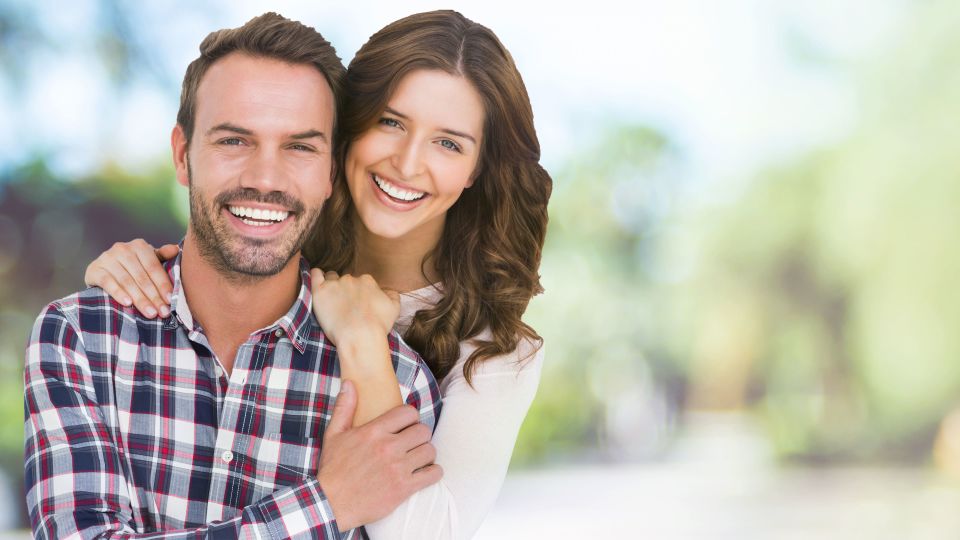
<point x="356" y="315"/>
<point x="131" y="273"/>
<point x="350" y="307"/>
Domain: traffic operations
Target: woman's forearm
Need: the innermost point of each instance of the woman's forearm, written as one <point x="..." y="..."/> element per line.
<point x="365" y="360"/>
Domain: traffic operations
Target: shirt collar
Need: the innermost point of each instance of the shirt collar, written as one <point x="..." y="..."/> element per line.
<point x="296" y="323"/>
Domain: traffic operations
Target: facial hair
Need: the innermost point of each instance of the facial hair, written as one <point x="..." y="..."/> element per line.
<point x="242" y="258"/>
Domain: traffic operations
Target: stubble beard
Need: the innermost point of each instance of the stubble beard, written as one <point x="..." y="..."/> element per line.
<point x="239" y="258"/>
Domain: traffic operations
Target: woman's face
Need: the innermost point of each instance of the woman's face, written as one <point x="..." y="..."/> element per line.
<point x="406" y="171"/>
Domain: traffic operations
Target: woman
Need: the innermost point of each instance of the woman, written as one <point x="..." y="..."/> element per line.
<point x="440" y="197"/>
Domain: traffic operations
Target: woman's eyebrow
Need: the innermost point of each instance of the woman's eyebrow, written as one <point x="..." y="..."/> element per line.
<point x="453" y="132"/>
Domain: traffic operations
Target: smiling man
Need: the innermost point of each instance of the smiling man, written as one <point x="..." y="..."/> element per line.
<point x="208" y="421"/>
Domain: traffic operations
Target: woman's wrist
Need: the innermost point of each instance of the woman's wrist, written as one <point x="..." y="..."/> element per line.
<point x="367" y="362"/>
<point x="360" y="334"/>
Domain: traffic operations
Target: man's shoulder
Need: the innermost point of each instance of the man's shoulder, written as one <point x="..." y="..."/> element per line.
<point x="87" y="310"/>
<point x="407" y="363"/>
<point x="404" y="356"/>
<point x="413" y="374"/>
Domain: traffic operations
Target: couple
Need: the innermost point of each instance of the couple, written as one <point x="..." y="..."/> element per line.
<point x="204" y="399"/>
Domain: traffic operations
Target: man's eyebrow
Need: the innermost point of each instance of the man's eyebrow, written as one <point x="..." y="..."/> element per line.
<point x="453" y="132"/>
<point x="226" y="126"/>
<point x="309" y="134"/>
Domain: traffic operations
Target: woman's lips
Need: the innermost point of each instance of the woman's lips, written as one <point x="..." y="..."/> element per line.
<point x="396" y="197"/>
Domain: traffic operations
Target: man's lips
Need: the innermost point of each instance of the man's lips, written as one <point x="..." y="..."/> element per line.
<point x="258" y="216"/>
<point x="258" y="222"/>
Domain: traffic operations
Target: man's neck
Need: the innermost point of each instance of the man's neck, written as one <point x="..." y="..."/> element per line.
<point x="229" y="309"/>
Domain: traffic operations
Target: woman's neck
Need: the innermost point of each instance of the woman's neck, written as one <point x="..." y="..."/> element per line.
<point x="396" y="263"/>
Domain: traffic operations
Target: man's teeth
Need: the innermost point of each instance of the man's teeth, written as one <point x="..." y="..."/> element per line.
<point x="396" y="192"/>
<point x="262" y="217"/>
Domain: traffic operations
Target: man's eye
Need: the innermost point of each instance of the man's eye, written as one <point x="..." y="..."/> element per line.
<point x="231" y="141"/>
<point x="301" y="148"/>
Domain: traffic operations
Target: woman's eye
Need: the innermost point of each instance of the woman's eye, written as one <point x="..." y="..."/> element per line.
<point x="390" y="122"/>
<point x="450" y="145"/>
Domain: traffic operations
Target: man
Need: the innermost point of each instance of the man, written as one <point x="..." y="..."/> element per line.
<point x="208" y="421"/>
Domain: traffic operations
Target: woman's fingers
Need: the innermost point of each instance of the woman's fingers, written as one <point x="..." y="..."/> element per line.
<point x="153" y="279"/>
<point x="98" y="277"/>
<point x="132" y="274"/>
<point x="316" y="278"/>
<point x="134" y="290"/>
<point x="137" y="281"/>
<point x="167" y="252"/>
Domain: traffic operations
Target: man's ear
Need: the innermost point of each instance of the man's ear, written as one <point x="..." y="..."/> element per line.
<point x="178" y="143"/>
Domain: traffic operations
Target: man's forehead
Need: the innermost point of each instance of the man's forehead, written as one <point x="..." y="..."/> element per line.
<point x="241" y="89"/>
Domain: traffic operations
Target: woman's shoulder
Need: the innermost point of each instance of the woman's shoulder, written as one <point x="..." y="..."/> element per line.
<point x="413" y="301"/>
<point x="518" y="369"/>
<point x="522" y="364"/>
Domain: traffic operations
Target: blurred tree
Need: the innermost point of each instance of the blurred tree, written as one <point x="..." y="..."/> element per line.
<point x="825" y="294"/>
<point x="604" y="374"/>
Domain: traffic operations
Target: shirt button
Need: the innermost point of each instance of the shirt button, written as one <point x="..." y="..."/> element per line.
<point x="278" y="333"/>
<point x="218" y="370"/>
<point x="227" y="456"/>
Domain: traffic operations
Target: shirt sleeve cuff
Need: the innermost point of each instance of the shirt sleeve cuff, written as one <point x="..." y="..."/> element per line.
<point x="301" y="511"/>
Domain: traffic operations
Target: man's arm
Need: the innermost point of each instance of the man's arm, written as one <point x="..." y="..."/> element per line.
<point x="369" y="470"/>
<point x="76" y="475"/>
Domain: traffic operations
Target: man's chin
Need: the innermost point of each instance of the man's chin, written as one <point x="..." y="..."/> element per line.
<point x="250" y="262"/>
<point x="257" y="266"/>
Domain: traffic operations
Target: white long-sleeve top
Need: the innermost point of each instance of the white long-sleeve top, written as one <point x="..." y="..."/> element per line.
<point x="474" y="438"/>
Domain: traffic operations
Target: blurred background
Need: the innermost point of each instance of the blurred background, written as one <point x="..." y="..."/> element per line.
<point x="749" y="268"/>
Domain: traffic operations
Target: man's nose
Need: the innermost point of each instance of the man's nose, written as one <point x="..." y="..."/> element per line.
<point x="264" y="172"/>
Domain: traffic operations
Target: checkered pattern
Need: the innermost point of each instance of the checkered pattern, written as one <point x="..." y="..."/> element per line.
<point x="132" y="428"/>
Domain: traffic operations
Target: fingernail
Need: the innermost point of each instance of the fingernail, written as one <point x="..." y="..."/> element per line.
<point x="126" y="301"/>
<point x="150" y="312"/>
<point x="169" y="298"/>
<point x="164" y="311"/>
<point x="346" y="387"/>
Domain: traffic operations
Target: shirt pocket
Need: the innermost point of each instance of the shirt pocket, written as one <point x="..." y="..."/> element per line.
<point x="287" y="458"/>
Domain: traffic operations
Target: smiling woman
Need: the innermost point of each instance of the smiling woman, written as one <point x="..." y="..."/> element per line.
<point x="406" y="171"/>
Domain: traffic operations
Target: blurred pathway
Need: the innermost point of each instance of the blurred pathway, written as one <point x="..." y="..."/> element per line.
<point x="721" y="483"/>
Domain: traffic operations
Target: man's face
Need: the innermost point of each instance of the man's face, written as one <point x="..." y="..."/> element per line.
<point x="258" y="166"/>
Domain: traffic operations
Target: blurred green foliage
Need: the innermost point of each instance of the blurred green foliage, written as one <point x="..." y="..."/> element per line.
<point x="830" y="280"/>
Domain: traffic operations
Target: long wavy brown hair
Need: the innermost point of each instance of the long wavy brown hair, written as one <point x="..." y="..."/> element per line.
<point x="489" y="253"/>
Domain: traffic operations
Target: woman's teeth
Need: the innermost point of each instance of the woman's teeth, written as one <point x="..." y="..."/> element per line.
<point x="257" y="216"/>
<point x="396" y="192"/>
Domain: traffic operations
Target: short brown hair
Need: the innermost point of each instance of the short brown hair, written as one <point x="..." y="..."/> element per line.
<point x="269" y="36"/>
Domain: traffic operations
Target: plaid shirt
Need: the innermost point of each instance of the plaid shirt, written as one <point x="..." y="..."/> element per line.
<point x="133" y="427"/>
